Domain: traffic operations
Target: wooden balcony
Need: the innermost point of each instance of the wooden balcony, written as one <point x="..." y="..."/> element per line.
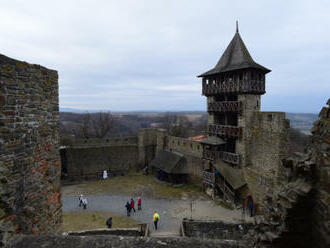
<point x="213" y="87"/>
<point x="225" y="130"/>
<point x="210" y="155"/>
<point x="229" y="157"/>
<point x="208" y="177"/>
<point x="230" y="106"/>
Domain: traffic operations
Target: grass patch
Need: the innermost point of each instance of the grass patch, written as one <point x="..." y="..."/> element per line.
<point x="133" y="185"/>
<point x="93" y="220"/>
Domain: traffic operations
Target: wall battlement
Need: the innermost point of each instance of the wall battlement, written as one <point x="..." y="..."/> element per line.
<point x="95" y="142"/>
<point x="184" y="145"/>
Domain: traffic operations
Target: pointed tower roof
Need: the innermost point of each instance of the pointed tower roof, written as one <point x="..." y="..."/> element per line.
<point x="235" y="57"/>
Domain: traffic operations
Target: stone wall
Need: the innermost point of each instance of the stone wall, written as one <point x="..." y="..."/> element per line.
<point x="133" y="232"/>
<point x="296" y="210"/>
<point x="266" y="147"/>
<point x="321" y="152"/>
<point x="192" y="151"/>
<point x="147" y="145"/>
<point x="214" y="229"/>
<point x="30" y="165"/>
<point x="87" y="160"/>
<point x="120" y="242"/>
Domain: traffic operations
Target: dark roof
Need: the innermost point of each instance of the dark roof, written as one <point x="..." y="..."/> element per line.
<point x="234" y="176"/>
<point x="212" y="140"/>
<point x="235" y="57"/>
<point x="170" y="162"/>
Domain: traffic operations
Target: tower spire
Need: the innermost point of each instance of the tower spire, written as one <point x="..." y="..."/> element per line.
<point x="236" y="26"/>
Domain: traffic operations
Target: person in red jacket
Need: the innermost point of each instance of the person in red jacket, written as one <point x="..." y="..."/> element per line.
<point x="132" y="204"/>
<point x="139" y="203"/>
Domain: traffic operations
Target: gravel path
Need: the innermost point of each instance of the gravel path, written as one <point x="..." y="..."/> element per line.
<point x="171" y="211"/>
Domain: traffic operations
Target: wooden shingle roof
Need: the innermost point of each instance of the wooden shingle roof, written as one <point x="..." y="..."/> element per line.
<point x="235" y="57"/>
<point x="170" y="162"/>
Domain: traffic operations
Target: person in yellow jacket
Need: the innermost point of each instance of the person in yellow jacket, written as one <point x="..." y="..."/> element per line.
<point x="155" y="219"/>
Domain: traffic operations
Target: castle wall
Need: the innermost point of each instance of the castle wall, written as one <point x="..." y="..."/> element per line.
<point x="147" y="141"/>
<point x="266" y="146"/>
<point x="88" y="158"/>
<point x="192" y="151"/>
<point x="29" y="142"/>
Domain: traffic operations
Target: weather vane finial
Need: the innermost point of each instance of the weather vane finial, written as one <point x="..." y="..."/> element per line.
<point x="236" y="26"/>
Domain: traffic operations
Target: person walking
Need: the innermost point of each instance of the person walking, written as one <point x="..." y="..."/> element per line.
<point x="109" y="222"/>
<point x="155" y="218"/>
<point x="128" y="208"/>
<point x="81" y="197"/>
<point x="139" y="203"/>
<point x="132" y="204"/>
<point x="84" y="202"/>
<point x="251" y="207"/>
<point x="146" y="170"/>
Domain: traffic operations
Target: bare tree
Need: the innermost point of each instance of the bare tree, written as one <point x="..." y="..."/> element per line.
<point x="97" y="125"/>
<point x="102" y="124"/>
<point x="176" y="125"/>
<point x="86" y="126"/>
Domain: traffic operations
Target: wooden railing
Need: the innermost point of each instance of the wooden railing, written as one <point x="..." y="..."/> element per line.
<point x="210" y="155"/>
<point x="213" y="87"/>
<point x="230" y="106"/>
<point x="229" y="157"/>
<point x="208" y="177"/>
<point x="225" y="189"/>
<point x="225" y="130"/>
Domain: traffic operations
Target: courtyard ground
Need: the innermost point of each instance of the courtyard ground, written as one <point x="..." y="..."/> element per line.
<point x="108" y="198"/>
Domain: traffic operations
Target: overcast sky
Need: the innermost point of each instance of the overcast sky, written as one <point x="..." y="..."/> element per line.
<point x="145" y="54"/>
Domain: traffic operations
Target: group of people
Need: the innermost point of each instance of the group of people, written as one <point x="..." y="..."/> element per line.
<point x="131" y="206"/>
<point x="83" y="201"/>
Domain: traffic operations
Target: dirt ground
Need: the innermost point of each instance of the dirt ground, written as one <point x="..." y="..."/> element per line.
<point x="108" y="198"/>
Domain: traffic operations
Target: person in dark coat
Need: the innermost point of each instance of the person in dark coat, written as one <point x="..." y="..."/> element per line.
<point x="132" y="204"/>
<point x="81" y="197"/>
<point x="128" y="208"/>
<point x="109" y="222"/>
<point x="251" y="207"/>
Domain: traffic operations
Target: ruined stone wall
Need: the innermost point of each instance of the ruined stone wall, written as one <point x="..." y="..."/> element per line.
<point x="214" y="229"/>
<point x="29" y="142"/>
<point x="321" y="151"/>
<point x="88" y="158"/>
<point x="266" y="146"/>
<point x="120" y="242"/>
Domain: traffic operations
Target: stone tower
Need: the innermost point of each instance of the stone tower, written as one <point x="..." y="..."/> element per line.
<point x="233" y="89"/>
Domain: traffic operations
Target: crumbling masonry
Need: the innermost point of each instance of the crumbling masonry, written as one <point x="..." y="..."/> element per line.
<point x="30" y="201"/>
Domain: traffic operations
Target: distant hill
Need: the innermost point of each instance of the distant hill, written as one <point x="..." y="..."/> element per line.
<point x="302" y="122"/>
